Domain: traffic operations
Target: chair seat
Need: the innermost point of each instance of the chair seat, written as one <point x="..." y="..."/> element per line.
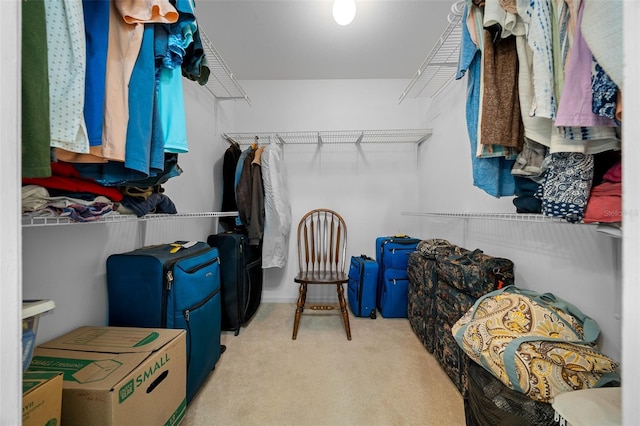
<point x="321" y="277"/>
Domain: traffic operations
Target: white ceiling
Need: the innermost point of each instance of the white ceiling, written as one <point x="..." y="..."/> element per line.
<point x="299" y="40"/>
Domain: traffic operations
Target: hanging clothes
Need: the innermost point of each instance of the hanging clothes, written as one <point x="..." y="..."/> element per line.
<point x="66" y="47"/>
<point x="96" y="28"/>
<point x="142" y="97"/>
<point x="277" y="209"/>
<point x="501" y="121"/>
<point x="36" y="131"/>
<point x="179" y="35"/>
<point x="538" y="19"/>
<point x="240" y="201"/>
<point x="250" y="194"/>
<point x="575" y="106"/>
<point x="125" y="36"/>
<point x="229" y="164"/>
<point x="492" y="175"/>
<point x="601" y="28"/>
<point x="256" y="221"/>
<point x="536" y="128"/>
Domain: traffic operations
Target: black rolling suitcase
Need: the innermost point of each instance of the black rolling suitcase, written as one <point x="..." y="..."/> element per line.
<point x="241" y="274"/>
<point x="173" y="285"/>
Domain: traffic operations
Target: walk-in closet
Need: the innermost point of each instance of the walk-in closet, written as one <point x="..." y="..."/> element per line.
<point x="391" y="154"/>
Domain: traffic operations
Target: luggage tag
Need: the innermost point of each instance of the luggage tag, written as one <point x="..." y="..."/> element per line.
<point x="499" y="278"/>
<point x="178" y="246"/>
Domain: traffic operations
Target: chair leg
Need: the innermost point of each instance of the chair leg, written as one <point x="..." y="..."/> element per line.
<point x="343" y="309"/>
<point x="302" y="296"/>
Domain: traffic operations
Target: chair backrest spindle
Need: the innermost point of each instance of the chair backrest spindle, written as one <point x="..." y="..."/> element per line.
<point x="322" y="238"/>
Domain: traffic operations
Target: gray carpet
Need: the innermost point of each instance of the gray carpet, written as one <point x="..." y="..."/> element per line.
<point x="384" y="376"/>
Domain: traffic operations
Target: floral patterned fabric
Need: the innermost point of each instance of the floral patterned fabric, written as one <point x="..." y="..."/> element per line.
<point x="535" y="344"/>
<point x="605" y="92"/>
<point x="567" y="183"/>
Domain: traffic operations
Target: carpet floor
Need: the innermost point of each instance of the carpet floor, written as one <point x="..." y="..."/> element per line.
<point x="383" y="376"/>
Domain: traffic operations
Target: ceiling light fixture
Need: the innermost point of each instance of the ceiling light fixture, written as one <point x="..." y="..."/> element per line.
<point x="344" y="11"/>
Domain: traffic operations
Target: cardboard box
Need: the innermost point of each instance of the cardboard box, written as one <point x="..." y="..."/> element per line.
<point x="41" y="398"/>
<point x="117" y="376"/>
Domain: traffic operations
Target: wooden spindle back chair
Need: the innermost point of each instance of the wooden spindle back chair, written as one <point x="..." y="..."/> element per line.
<point x="322" y="253"/>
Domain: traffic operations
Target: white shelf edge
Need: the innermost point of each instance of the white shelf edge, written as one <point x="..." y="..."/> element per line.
<point x="517" y="217"/>
<point x="31" y="308"/>
<point x="413" y="136"/>
<point x="605" y="228"/>
<point x="115" y="218"/>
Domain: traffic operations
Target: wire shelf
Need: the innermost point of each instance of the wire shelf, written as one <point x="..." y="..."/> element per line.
<point x="29" y="221"/>
<point x="221" y="83"/>
<point x="611" y="229"/>
<point x="414" y="136"/>
<point x="439" y="67"/>
<point x="518" y="217"/>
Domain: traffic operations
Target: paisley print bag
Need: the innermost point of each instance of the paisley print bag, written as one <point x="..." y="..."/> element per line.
<point x="537" y="344"/>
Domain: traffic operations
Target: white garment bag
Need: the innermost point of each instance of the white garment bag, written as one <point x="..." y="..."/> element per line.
<point x="277" y="221"/>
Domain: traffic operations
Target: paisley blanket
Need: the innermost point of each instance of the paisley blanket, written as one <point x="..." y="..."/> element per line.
<point x="537" y="344"/>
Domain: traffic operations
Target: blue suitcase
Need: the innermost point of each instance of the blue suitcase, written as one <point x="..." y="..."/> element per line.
<point x="363" y="281"/>
<point x="394" y="295"/>
<point x="392" y="254"/>
<point x="171" y="286"/>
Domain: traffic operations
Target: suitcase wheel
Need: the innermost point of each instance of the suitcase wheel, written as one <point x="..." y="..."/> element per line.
<point x="372" y="315"/>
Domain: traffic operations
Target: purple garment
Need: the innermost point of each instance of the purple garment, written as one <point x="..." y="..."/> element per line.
<point x="82" y="213"/>
<point x="575" y="108"/>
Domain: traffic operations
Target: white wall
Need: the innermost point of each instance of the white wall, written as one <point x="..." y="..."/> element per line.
<point x="10" y="253"/>
<point x="446" y="183"/>
<point x="631" y="218"/>
<point x="369" y="185"/>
